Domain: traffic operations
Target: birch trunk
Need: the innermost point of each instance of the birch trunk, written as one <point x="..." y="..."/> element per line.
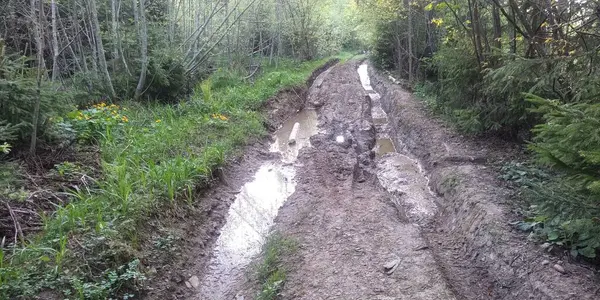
<point x="100" y="48"/>
<point x="38" y="32"/>
<point x="55" y="52"/>
<point x="144" y="47"/>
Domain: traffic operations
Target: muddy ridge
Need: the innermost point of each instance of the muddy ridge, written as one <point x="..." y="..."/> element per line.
<point x="479" y="252"/>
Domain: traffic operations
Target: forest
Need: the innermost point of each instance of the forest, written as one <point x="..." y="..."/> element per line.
<point x="115" y="113"/>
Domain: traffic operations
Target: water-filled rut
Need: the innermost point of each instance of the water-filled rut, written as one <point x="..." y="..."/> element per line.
<point x="251" y="215"/>
<point x="402" y="176"/>
<point x="348" y="213"/>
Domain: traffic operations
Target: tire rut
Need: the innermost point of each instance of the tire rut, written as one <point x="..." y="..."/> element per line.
<point x="355" y="239"/>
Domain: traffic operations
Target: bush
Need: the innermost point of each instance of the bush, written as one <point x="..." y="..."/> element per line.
<point x="18" y="94"/>
<point x="566" y="207"/>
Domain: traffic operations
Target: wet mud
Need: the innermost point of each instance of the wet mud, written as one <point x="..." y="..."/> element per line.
<point x="252" y="213"/>
<point x="356" y="239"/>
<point x="481" y="256"/>
<point x="383" y="201"/>
<point x="234" y="214"/>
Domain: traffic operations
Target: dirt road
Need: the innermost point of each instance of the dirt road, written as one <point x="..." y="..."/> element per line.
<point x="385" y="203"/>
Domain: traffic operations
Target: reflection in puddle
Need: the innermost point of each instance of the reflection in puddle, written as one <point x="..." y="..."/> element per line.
<point x="383" y="146"/>
<point x="364" y="77"/>
<point x="248" y="223"/>
<point x="307" y="119"/>
<point x="252" y="213"/>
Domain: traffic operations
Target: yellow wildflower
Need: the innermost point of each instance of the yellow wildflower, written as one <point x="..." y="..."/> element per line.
<point x="158" y="121"/>
<point x="125" y="119"/>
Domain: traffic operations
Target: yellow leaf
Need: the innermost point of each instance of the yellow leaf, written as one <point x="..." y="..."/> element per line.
<point x="437" y="21"/>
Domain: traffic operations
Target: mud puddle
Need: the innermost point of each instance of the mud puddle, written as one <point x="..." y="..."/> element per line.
<point x="307" y="127"/>
<point x="400" y="175"/>
<point x="383" y="146"/>
<point x="251" y="215"/>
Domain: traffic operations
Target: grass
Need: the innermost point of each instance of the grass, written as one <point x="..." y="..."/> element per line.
<point x="271" y="272"/>
<point x="90" y="247"/>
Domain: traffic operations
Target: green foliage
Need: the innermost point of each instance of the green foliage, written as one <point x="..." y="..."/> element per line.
<point x="167" y="81"/>
<point x="557" y="212"/>
<point x="95" y="122"/>
<point x="569" y="138"/>
<point x="18" y="93"/>
<point x="153" y="161"/>
<point x="271" y="271"/>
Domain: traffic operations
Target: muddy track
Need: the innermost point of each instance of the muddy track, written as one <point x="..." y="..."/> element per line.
<point x="479" y="252"/>
<point x="385" y="203"/>
<point x="202" y="227"/>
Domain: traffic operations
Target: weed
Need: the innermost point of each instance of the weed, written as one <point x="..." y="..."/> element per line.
<point x="67" y="168"/>
<point x="271" y="272"/>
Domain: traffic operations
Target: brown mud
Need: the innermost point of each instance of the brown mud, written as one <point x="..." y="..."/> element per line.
<point x="198" y="229"/>
<point x="480" y="254"/>
<point x="387" y="203"/>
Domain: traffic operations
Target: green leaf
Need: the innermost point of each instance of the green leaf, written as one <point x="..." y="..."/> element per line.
<point x="552" y="235"/>
<point x="429" y="7"/>
<point x="588" y="252"/>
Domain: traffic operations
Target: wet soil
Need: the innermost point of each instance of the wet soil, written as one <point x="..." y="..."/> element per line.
<point x="356" y="240"/>
<point x="384" y="201"/>
<point x="200" y="252"/>
<point x="481" y="256"/>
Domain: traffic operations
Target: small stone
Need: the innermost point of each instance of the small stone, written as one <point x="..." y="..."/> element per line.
<point x="545" y="245"/>
<point x="559" y="268"/>
<point x="391" y="266"/>
<point x="194" y="281"/>
<point x="545" y="262"/>
<point x="189" y="285"/>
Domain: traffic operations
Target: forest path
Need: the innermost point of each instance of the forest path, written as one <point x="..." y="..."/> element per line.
<point x="356" y="239"/>
<point x="387" y="203"/>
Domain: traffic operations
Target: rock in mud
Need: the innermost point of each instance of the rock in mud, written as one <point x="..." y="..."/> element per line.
<point x="194" y="281"/>
<point x="559" y="268"/>
<point x="391" y="266"/>
<point x="545" y="262"/>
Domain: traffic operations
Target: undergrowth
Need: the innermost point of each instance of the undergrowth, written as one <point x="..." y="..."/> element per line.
<point x="153" y="158"/>
<point x="271" y="272"/>
<point x="555" y="211"/>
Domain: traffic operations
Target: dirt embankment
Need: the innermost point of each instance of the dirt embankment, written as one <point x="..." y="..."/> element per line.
<point x="198" y="229"/>
<point x="480" y="254"/>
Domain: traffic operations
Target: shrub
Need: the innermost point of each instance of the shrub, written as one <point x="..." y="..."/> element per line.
<point x="97" y="121"/>
<point x="567" y="206"/>
<point x="18" y="94"/>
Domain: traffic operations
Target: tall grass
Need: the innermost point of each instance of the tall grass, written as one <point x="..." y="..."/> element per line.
<point x="152" y="163"/>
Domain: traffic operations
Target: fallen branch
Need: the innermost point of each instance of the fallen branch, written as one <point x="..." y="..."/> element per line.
<point x="17" y="225"/>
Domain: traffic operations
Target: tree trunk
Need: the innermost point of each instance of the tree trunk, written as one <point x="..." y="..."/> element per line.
<point x="497" y="27"/>
<point x="474" y="36"/>
<point x="100" y="48"/>
<point x="55" y="52"/>
<point x="144" y="47"/>
<point x="114" y="36"/>
<point x="38" y="32"/>
<point x="410" y="46"/>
